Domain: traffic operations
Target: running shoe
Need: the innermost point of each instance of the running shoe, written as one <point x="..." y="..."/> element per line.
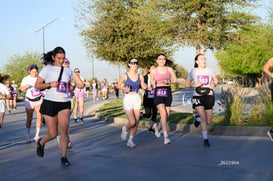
<point x="151" y="130"/>
<point x="70" y="145"/>
<point x="40" y="148"/>
<point x="157" y="132"/>
<point x="197" y="121"/>
<point x="82" y="122"/>
<point x="270" y="134"/>
<point x="206" y="143"/>
<point x="36" y="138"/>
<point x="167" y="141"/>
<point x="124" y="133"/>
<point x="131" y="144"/>
<point x="65" y="161"/>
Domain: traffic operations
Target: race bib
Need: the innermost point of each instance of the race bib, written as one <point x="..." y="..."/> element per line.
<point x="62" y="87"/>
<point x="35" y="92"/>
<point x="203" y="79"/>
<point x="161" y="92"/>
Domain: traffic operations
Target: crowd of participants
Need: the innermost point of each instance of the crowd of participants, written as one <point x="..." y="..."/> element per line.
<point x="55" y="100"/>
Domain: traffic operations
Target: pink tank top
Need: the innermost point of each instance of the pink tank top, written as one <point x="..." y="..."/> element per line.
<point x="159" y="78"/>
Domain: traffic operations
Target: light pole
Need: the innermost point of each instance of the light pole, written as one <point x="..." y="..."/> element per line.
<point x="93" y="73"/>
<point x="43" y="28"/>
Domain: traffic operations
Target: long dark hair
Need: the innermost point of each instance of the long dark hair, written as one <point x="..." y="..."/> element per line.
<point x="195" y="59"/>
<point x="47" y="58"/>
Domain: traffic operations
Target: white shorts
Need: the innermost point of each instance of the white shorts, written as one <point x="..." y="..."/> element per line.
<point x="30" y="104"/>
<point x="131" y="102"/>
<point x="2" y="105"/>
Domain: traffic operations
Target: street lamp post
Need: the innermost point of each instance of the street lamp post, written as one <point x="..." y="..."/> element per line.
<point x="43" y="28"/>
<point x="93" y="73"/>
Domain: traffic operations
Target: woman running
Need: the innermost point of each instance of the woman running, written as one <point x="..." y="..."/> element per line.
<point x="9" y="100"/>
<point x="201" y="76"/>
<point x="131" y="103"/>
<point x="94" y="90"/>
<point x="4" y="93"/>
<point x="161" y="78"/>
<point x="104" y="88"/>
<point x="56" y="105"/>
<point x="79" y="103"/>
<point x="14" y="94"/>
<point x="33" y="100"/>
<point x="87" y="88"/>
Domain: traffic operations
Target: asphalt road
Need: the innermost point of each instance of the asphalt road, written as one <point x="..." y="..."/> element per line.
<point x="99" y="154"/>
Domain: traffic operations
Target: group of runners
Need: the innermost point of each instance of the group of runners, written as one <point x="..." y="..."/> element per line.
<point x="57" y="104"/>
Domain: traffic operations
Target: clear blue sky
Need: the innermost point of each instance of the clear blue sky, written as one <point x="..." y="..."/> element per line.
<point x="20" y="16"/>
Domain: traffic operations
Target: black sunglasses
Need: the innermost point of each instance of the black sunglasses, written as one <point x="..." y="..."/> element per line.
<point x="134" y="63"/>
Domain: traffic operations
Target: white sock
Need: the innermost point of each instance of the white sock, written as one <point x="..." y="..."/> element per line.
<point x="37" y="132"/>
<point x="81" y="115"/>
<point x="131" y="138"/>
<point x="205" y="134"/>
<point x="165" y="134"/>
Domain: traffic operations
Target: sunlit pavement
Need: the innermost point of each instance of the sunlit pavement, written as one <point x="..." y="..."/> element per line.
<point x="99" y="154"/>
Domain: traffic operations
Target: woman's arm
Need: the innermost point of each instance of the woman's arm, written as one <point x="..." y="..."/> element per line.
<point x="79" y="82"/>
<point x="40" y="84"/>
<point x="143" y="84"/>
<point x="267" y="66"/>
<point x="174" y="78"/>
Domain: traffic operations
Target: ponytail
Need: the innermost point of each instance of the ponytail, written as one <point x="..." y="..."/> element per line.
<point x="195" y="59"/>
<point x="47" y="57"/>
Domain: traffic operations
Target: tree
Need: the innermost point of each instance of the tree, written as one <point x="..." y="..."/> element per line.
<point x="247" y="55"/>
<point x="120" y="30"/>
<point x="17" y="65"/>
<point x="181" y="72"/>
<point x="207" y="24"/>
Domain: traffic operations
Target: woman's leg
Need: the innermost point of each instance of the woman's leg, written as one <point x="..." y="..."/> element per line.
<point x="52" y="129"/>
<point x="2" y="114"/>
<point x="63" y="122"/>
<point x="75" y="110"/>
<point x="205" y="116"/>
<point x="29" y="113"/>
<point x="163" y="118"/>
<point x="38" y="121"/>
<point x="81" y="107"/>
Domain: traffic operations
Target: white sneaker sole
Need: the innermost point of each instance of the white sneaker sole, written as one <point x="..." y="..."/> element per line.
<point x="269" y="135"/>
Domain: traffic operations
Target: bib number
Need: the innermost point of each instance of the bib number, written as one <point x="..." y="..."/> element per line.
<point x="35" y="92"/>
<point x="62" y="87"/>
<point x="161" y="92"/>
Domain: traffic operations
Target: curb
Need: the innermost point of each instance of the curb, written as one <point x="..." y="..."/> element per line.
<point x="259" y="131"/>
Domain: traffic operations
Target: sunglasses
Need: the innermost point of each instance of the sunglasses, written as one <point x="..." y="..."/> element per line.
<point x="134" y="63"/>
<point x="77" y="71"/>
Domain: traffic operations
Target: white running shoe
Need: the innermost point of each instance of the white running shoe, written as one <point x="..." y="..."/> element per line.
<point x="157" y="132"/>
<point x="167" y="141"/>
<point x="131" y="144"/>
<point x="36" y="138"/>
<point x="270" y="135"/>
<point x="124" y="133"/>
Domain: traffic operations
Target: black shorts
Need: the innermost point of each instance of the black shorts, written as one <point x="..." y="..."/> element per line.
<point x="52" y="108"/>
<point x="163" y="95"/>
<point x="206" y="101"/>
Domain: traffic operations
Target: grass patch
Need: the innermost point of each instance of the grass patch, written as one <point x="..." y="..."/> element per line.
<point x="114" y="108"/>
